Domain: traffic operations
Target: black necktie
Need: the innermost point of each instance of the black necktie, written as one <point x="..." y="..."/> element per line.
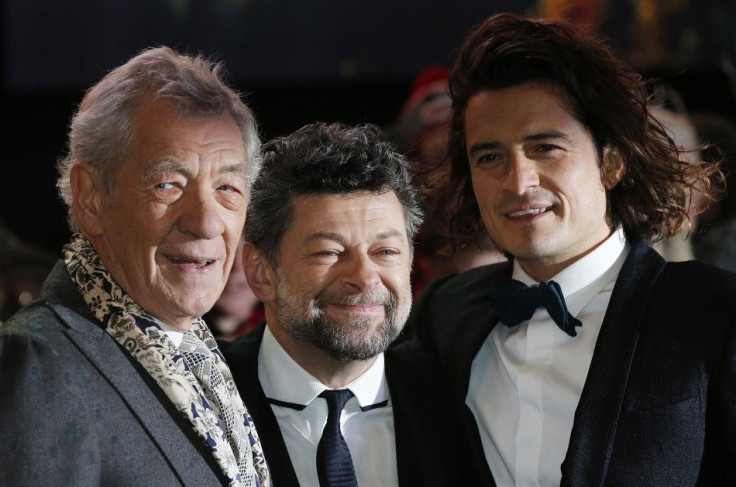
<point x="515" y="302"/>
<point x="334" y="463"/>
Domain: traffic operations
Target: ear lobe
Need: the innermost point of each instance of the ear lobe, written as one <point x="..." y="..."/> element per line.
<point x="87" y="199"/>
<point x="613" y="167"/>
<point x="259" y="273"/>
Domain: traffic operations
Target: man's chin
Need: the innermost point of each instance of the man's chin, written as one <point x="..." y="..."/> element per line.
<point x="356" y="320"/>
<point x="362" y="343"/>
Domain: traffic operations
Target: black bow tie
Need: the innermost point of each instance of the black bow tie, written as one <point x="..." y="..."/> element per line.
<point x="516" y="302"/>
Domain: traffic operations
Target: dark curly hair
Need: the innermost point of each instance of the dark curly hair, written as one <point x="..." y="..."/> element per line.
<point x="610" y="100"/>
<point x="324" y="159"/>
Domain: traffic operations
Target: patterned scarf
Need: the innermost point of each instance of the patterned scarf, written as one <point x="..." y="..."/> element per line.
<point x="138" y="332"/>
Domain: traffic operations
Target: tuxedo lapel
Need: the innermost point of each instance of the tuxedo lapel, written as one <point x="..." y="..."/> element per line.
<point x="466" y="341"/>
<point x="597" y="414"/>
<point x="242" y="357"/>
<point x="474" y="325"/>
<point x="426" y="430"/>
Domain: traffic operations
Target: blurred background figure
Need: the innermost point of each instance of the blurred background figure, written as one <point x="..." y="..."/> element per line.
<point x="715" y="243"/>
<point x="421" y="133"/>
<point x="668" y="108"/>
<point x="238" y="310"/>
<point x="23" y="268"/>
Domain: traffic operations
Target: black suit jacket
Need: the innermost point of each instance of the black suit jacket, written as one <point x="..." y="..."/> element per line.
<point x="426" y="433"/>
<point x="659" y="403"/>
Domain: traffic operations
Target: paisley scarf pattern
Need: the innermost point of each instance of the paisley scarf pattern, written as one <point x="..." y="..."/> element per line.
<point x="140" y="335"/>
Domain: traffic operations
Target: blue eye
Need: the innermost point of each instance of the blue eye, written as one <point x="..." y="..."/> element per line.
<point x="327" y="253"/>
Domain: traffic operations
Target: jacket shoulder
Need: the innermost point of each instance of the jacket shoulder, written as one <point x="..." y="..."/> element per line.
<point x="449" y="304"/>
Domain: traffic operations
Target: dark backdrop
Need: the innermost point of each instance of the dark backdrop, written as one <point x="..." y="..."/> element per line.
<point x="297" y="61"/>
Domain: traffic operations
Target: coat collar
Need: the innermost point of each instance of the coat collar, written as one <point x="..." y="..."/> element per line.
<point x="166" y="427"/>
<point x="599" y="409"/>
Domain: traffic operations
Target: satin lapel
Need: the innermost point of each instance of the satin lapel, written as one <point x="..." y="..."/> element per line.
<point x="598" y="411"/>
<point x="165" y="426"/>
<point x="242" y="357"/>
<point x="466" y="342"/>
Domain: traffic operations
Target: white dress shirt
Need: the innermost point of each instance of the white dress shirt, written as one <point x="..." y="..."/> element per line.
<point x="369" y="434"/>
<point x="174" y="335"/>
<point x="526" y="380"/>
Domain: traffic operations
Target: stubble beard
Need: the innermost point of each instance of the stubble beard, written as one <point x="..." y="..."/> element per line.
<point x="307" y="320"/>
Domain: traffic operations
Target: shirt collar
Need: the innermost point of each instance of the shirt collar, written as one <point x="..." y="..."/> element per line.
<point x="601" y="264"/>
<point x="174" y="335"/>
<point x="285" y="380"/>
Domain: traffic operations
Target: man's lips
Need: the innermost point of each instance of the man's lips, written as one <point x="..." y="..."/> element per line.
<point x="360" y="308"/>
<point x="528" y="212"/>
<point x="196" y="262"/>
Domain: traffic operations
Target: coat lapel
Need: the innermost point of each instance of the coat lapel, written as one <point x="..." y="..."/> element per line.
<point x="164" y="424"/>
<point x="597" y="414"/>
<point x="426" y="430"/>
<point x="466" y="341"/>
<point x="242" y="357"/>
<point x="410" y="445"/>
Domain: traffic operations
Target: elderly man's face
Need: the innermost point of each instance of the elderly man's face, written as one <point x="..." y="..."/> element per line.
<point x="171" y="232"/>
<point x="343" y="279"/>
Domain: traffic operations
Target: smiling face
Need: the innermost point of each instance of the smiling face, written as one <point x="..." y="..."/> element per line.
<point x="170" y="233"/>
<point x="343" y="279"/>
<point x="536" y="176"/>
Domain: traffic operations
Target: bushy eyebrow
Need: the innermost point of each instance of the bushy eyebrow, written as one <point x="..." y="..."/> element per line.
<point x="337" y="237"/>
<point x="554" y="134"/>
<point x="163" y="166"/>
<point x="550" y="135"/>
<point x="168" y="166"/>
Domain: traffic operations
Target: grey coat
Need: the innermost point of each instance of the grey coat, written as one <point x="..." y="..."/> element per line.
<point x="77" y="410"/>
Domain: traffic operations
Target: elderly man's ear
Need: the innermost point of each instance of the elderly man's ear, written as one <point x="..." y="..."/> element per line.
<point x="259" y="273"/>
<point x="88" y="198"/>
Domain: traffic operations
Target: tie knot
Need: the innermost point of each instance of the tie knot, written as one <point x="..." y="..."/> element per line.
<point x="336" y="399"/>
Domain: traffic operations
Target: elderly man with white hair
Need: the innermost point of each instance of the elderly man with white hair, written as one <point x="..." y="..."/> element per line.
<point x="111" y="377"/>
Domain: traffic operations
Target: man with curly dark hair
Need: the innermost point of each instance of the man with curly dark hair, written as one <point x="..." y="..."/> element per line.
<point x="586" y="359"/>
<point x="328" y="250"/>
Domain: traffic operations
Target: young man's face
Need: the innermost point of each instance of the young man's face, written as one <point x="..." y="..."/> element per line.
<point x="536" y="175"/>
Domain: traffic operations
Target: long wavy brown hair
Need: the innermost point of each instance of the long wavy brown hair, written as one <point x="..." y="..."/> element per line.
<point x="610" y="100"/>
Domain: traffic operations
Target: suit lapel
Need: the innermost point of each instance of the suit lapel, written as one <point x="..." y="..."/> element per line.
<point x="468" y="339"/>
<point x="407" y="441"/>
<point x="597" y="414"/>
<point x="465" y="340"/>
<point x="242" y="357"/>
<point x="165" y="426"/>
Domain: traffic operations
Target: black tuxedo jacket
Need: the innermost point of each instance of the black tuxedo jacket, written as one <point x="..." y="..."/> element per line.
<point x="427" y="443"/>
<point x="659" y="403"/>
